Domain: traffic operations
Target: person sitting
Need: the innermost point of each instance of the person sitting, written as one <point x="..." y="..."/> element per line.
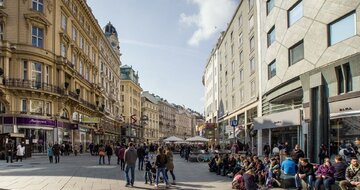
<point x="288" y="166"/>
<point x="340" y="168"/>
<point x="238" y="181"/>
<point x="305" y="172"/>
<point x="212" y="164"/>
<point x="249" y="179"/>
<point x="273" y="173"/>
<point x="219" y="164"/>
<point x="352" y="175"/>
<point x="325" y="175"/>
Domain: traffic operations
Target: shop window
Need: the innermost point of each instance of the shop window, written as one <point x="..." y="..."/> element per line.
<point x="37" y="37"/>
<point x="296" y="53"/>
<point x="343" y="28"/>
<point x="295" y="13"/>
<point x="38" y="5"/>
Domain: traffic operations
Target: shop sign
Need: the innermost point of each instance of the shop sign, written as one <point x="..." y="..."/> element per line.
<point x="346" y="107"/>
<point x="34" y="121"/>
<point x="282" y="119"/>
<point x="91" y="120"/>
<point x="8" y="120"/>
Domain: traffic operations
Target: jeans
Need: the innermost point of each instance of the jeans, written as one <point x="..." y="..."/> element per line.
<point x="172" y="174"/>
<point x="57" y="158"/>
<point x="132" y="170"/>
<point x="141" y="163"/>
<point x="122" y="164"/>
<point x="308" y="180"/>
<point x="51" y="159"/>
<point x="103" y="159"/>
<point x="327" y="183"/>
<point x="148" y="177"/>
<point x="161" y="170"/>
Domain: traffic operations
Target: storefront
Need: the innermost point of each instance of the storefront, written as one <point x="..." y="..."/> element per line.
<point x="344" y="122"/>
<point x="279" y="128"/>
<point x="65" y="131"/>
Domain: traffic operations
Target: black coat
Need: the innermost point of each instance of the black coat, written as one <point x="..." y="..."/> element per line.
<point x="308" y="170"/>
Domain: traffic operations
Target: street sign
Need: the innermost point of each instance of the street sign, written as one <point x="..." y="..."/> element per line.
<point x="234" y="123"/>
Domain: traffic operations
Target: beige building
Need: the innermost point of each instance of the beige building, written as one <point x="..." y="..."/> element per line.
<point x="150" y="109"/>
<point x="130" y="96"/>
<point x="235" y="59"/>
<point x="55" y="58"/>
<point x="183" y="123"/>
<point x="310" y="73"/>
<point x="167" y="112"/>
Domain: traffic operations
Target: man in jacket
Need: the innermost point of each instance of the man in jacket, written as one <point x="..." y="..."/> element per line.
<point x="288" y="166"/>
<point x="306" y="173"/>
<point x="340" y="168"/>
<point x="297" y="153"/>
<point x="130" y="161"/>
<point x="141" y="155"/>
<point x="352" y="176"/>
<point x="56" y="151"/>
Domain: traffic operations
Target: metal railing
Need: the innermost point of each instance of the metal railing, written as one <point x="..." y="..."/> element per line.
<point x="87" y="104"/>
<point x="31" y="84"/>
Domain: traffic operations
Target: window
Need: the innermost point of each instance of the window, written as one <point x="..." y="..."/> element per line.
<point x="62" y="49"/>
<point x="348" y="77"/>
<point x="37" y="37"/>
<point x="251" y="4"/>
<point x="48" y="108"/>
<point x="241" y="95"/>
<point x="74" y="9"/>
<point x="38" y="5"/>
<point x="63" y="22"/>
<point x="240" y="39"/>
<point x="232" y="83"/>
<point x="86" y="72"/>
<point x="271" y="36"/>
<point x="251" y="22"/>
<point x="296" y="53"/>
<point x="1" y="31"/>
<point x="340" y="80"/>
<point x="74" y="33"/>
<point x="272" y="69"/>
<point x="241" y="57"/>
<point x="232" y="50"/>
<point x="253" y="88"/>
<point x="47" y="74"/>
<point x="233" y="67"/>
<point x="81" y="42"/>
<point x="1" y="3"/>
<point x="36" y="106"/>
<point x="252" y="65"/>
<point x="269" y="6"/>
<point x="342" y="28"/>
<point x="233" y="102"/>
<point x="25" y="70"/>
<point x="295" y="13"/>
<point x="252" y="43"/>
<point x="241" y="75"/>
<point x="240" y="20"/>
<point x="74" y="58"/>
<point x="23" y="107"/>
<point x="36" y="75"/>
<point x="80" y="67"/>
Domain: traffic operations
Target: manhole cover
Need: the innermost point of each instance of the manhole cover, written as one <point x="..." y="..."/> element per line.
<point x="14" y="166"/>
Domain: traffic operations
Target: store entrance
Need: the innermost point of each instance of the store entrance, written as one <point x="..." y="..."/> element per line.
<point x="39" y="139"/>
<point x="285" y="134"/>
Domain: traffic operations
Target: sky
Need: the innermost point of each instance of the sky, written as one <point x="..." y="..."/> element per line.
<point x="167" y="41"/>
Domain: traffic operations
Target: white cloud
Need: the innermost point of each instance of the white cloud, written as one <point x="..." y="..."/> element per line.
<point x="212" y="18"/>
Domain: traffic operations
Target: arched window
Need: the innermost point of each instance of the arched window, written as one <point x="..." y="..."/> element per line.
<point x="75" y="116"/>
<point x="65" y="114"/>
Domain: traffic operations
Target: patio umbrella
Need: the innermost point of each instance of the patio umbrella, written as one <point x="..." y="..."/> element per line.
<point x="197" y="139"/>
<point x="173" y="139"/>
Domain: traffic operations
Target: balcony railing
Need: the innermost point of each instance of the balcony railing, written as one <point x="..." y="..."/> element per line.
<point x="74" y="95"/>
<point x="30" y="84"/>
<point x="87" y="104"/>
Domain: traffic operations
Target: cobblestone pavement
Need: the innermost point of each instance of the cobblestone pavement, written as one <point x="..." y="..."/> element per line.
<point x="84" y="173"/>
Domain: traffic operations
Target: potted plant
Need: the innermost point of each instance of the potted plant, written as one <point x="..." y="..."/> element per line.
<point x="78" y="91"/>
<point x="66" y="85"/>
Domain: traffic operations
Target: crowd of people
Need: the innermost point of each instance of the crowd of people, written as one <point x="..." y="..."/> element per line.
<point x="252" y="172"/>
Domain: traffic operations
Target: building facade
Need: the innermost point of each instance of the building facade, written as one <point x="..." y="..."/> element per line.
<point x="183" y="123"/>
<point x="150" y="109"/>
<point x="309" y="73"/>
<point x="51" y="54"/>
<point x="235" y="60"/>
<point x="132" y="129"/>
<point x="167" y="125"/>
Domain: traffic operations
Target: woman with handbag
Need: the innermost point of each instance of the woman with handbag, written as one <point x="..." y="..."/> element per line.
<point x="101" y="154"/>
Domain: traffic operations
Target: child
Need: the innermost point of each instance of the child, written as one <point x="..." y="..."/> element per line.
<point x="153" y="170"/>
<point x="148" y="167"/>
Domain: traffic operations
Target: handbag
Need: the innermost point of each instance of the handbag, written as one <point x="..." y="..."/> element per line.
<point x="101" y="153"/>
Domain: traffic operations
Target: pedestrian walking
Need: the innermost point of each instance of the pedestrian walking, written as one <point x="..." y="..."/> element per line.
<point x="122" y="157"/>
<point x="50" y="153"/>
<point x="141" y="155"/>
<point x="56" y="151"/>
<point x="109" y="152"/>
<point x="101" y="154"/>
<point x="91" y="148"/>
<point x="76" y="149"/>
<point x="147" y="174"/>
<point x="161" y="161"/>
<point x="130" y="156"/>
<point x="20" y="151"/>
<point x="170" y="164"/>
<point x="9" y="151"/>
<point x="81" y="148"/>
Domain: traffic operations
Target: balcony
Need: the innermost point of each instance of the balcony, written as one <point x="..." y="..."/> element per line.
<point x="74" y="95"/>
<point x="87" y="104"/>
<point x="30" y="84"/>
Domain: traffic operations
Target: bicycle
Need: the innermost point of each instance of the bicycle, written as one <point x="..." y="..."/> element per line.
<point x="204" y="157"/>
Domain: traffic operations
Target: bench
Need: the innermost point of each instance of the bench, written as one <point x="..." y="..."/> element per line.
<point x="289" y="182"/>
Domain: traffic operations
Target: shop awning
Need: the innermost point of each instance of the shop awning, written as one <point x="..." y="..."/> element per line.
<point x="345" y="114"/>
<point x="276" y="120"/>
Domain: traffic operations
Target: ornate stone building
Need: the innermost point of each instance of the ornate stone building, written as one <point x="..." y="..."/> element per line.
<point x="60" y="74"/>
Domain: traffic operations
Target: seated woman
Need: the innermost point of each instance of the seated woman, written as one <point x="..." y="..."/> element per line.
<point x="325" y="175"/>
<point x="238" y="181"/>
<point x="212" y="164"/>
